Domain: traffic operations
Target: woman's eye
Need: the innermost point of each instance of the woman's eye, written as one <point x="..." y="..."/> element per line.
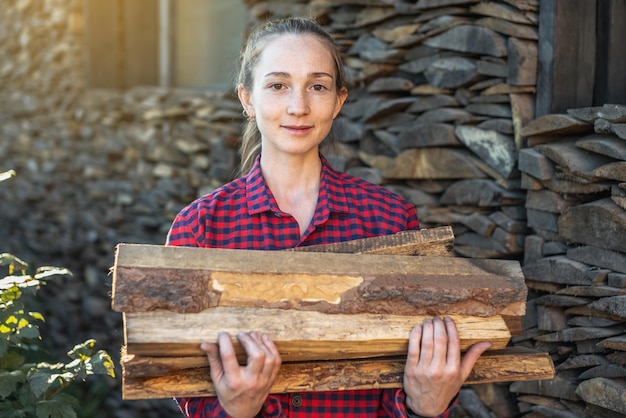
<point x="276" y="86"/>
<point x="319" y="87"/>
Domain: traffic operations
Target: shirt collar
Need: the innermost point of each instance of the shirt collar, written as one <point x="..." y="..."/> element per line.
<point x="332" y="197"/>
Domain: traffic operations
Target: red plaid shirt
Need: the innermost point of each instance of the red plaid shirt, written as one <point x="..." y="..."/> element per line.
<point x="243" y="214"/>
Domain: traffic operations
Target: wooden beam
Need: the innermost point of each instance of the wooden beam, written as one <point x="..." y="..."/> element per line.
<point x="154" y="378"/>
<point x="190" y="280"/>
<point x="298" y="335"/>
<point x="566" y="55"/>
<point x="436" y="242"/>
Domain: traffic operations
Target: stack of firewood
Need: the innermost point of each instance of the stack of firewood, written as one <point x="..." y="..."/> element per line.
<point x="340" y="320"/>
<point x="439" y="90"/>
<point x="575" y="263"/>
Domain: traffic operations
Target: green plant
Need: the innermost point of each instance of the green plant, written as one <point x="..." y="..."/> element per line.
<point x="35" y="388"/>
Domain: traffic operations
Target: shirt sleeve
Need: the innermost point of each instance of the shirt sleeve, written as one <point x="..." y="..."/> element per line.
<point x="394" y="406"/>
<point x="412" y="219"/>
<point x="211" y="408"/>
<point x="185" y="230"/>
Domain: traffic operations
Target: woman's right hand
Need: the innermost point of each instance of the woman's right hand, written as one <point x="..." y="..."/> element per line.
<point x="242" y="390"/>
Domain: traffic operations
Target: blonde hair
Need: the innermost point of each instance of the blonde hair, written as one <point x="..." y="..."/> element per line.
<point x="251" y="137"/>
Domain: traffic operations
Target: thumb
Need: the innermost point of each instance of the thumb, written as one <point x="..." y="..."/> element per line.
<point x="472" y="355"/>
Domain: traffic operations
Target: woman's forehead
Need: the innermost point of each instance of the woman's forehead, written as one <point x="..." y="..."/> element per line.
<point x="287" y="53"/>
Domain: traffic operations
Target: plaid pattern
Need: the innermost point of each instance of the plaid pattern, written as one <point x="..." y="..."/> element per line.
<point x="243" y="214"/>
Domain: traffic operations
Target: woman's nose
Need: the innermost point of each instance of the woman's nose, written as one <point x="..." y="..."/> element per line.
<point x="298" y="103"/>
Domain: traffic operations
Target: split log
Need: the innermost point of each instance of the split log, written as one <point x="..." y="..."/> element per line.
<point x="183" y="279"/>
<point x="154" y="377"/>
<point x="509" y="28"/>
<point x="436" y="242"/>
<point x="555" y="124"/>
<point x="522" y="62"/>
<point x="575" y="160"/>
<point x="592" y="255"/>
<point x="480" y="193"/>
<point x="433" y="163"/>
<point x="496" y="150"/>
<point x="604" y="144"/>
<point x="536" y="164"/>
<point x="618" y="195"/>
<point x="451" y="72"/>
<point x="603" y="217"/>
<point x="610" y="112"/>
<point x="471" y="39"/>
<point x="298" y="335"/>
<point x="425" y="134"/>
<point x="607" y="393"/>
<point x="504" y="11"/>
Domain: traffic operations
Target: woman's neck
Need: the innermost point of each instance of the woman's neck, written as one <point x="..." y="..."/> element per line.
<point x="291" y="174"/>
<point x="294" y="182"/>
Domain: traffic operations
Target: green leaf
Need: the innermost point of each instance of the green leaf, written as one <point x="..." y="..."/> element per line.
<point x="8" y="410"/>
<point x="54" y="409"/>
<point x="37" y="316"/>
<point x="11" y="293"/>
<point x="13" y="262"/>
<point x="82" y="351"/>
<point x="45" y="272"/>
<point x="5" y="175"/>
<point x="30" y="331"/>
<point x="102" y="364"/>
<point x="22" y="281"/>
<point x="9" y="381"/>
<point x="68" y="399"/>
<point x="4" y="346"/>
<point x="40" y="381"/>
<point x="11" y="360"/>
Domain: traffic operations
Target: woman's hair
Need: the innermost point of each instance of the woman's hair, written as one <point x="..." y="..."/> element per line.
<point x="251" y="137"/>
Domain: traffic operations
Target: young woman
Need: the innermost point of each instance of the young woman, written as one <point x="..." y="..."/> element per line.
<point x="292" y="85"/>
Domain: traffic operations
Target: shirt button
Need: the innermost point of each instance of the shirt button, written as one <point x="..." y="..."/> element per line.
<point x="296" y="400"/>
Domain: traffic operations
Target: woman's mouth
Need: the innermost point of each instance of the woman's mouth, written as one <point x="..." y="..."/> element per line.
<point x="297" y="129"/>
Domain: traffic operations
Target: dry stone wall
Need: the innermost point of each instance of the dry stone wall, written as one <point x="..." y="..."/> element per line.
<point x="574" y="169"/>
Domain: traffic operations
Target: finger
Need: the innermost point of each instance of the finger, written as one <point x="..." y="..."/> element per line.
<point x="454" y="343"/>
<point x="227" y="354"/>
<point x="415" y="341"/>
<point x="273" y="360"/>
<point x="428" y="342"/>
<point x="254" y="353"/>
<point x="440" y="340"/>
<point x="262" y="342"/>
<point x="271" y="347"/>
<point x="472" y="355"/>
<point x="215" y="363"/>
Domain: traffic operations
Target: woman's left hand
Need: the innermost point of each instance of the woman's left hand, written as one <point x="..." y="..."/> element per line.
<point x="434" y="371"/>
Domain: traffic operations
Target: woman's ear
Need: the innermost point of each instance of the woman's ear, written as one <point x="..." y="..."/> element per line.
<point x="244" y="97"/>
<point x="342" y="95"/>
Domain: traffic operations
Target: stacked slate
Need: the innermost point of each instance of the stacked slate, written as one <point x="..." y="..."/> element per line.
<point x="574" y="170"/>
<point x="41" y="56"/>
<point x="439" y="90"/>
<point x="116" y="168"/>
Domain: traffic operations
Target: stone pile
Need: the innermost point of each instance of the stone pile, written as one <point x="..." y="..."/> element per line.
<point x="40" y="55"/>
<point x="575" y="261"/>
<point x="116" y="168"/>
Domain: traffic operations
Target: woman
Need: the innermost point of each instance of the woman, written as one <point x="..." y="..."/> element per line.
<point x="292" y="85"/>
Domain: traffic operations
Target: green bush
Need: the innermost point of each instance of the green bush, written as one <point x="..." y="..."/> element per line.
<point x="31" y="388"/>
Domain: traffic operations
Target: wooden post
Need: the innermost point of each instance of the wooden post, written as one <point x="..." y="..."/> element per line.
<point x="566" y="53"/>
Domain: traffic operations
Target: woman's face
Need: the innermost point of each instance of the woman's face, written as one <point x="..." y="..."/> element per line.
<point x="294" y="98"/>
